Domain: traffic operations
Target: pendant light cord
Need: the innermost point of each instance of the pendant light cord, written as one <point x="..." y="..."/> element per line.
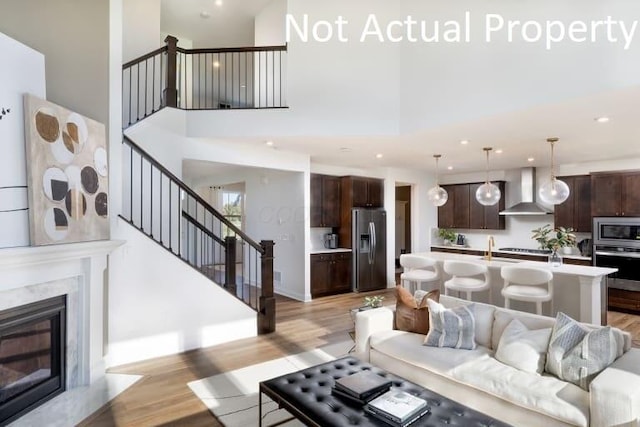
<point x="553" y="167"/>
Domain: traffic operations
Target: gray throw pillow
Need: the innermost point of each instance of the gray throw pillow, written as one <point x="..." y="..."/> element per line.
<point x="454" y="328"/>
<point x="577" y="354"/>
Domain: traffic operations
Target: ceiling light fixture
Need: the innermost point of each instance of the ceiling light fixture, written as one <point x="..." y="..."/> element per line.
<point x="216" y="64"/>
<point x="602" y="119"/>
<point x="488" y="194"/>
<point x="530" y="159"/>
<point x="499" y="151"/>
<point x="554" y="191"/>
<point x="437" y="195"/>
<point x="218" y="3"/>
<point x="450" y="168"/>
<point x="464" y="142"/>
<point x="379" y="156"/>
<point x="269" y="143"/>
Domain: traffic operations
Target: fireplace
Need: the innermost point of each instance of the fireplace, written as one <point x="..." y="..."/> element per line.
<point x="32" y="355"/>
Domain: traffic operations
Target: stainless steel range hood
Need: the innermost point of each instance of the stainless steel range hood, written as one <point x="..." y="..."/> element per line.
<point x="527" y="189"/>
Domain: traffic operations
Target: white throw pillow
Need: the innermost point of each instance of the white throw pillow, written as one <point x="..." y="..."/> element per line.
<point x="453" y="328"/>
<point x="524" y="349"/>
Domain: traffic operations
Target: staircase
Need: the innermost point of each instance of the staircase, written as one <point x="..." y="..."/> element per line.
<point x="158" y="203"/>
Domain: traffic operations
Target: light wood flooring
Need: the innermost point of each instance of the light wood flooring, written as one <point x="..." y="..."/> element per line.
<point x="162" y="397"/>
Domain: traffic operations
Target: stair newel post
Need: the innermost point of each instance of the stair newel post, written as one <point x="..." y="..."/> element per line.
<point x="230" y="263"/>
<point x="171" y="92"/>
<point x="267" y="308"/>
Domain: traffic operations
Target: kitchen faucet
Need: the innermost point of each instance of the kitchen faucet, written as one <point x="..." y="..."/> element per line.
<point x="492" y="243"/>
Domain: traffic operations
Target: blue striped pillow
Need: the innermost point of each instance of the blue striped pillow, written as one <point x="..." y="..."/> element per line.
<point x="453" y="328"/>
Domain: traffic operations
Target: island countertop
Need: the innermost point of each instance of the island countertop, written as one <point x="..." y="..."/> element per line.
<point x="579" y="291"/>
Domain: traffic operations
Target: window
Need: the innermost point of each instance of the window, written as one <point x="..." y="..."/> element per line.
<point x="232" y="209"/>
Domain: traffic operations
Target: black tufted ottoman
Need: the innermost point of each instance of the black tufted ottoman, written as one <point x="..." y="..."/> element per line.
<point x="306" y="394"/>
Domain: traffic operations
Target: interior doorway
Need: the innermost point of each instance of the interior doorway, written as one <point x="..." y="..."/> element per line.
<point x="403" y="222"/>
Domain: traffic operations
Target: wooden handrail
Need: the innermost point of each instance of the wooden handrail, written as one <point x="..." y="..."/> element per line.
<point x="144" y="57"/>
<point x="282" y="48"/>
<point x="193" y="194"/>
<point x="202" y="228"/>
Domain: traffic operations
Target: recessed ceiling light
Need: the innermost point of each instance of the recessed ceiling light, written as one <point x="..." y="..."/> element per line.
<point x="464" y="142"/>
<point x="499" y="151"/>
<point x="218" y="3"/>
<point x="450" y="168"/>
<point x="602" y="119"/>
<point x="269" y="143"/>
<point x="530" y="159"/>
<point x="204" y="14"/>
<point x="379" y="156"/>
<point x="216" y="64"/>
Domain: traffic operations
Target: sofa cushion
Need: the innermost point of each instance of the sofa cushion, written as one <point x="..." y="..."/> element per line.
<point x="523" y="349"/>
<point x="407" y="346"/>
<point x="451" y="327"/>
<point x="577" y="354"/>
<point x="503" y="317"/>
<point x="541" y="393"/>
<point x="413" y="315"/>
<point x="483" y="313"/>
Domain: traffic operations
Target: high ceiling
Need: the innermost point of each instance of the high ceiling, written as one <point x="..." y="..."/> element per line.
<point x="520" y="135"/>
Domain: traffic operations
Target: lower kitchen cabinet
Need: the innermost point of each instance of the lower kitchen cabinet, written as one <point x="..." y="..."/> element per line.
<point x="330" y="274"/>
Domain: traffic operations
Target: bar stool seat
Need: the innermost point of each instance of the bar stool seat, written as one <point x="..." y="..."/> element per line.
<point x="419" y="270"/>
<point x="465" y="278"/>
<point x="527" y="284"/>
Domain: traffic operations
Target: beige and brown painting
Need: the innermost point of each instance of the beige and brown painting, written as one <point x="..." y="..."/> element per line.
<point x="67" y="173"/>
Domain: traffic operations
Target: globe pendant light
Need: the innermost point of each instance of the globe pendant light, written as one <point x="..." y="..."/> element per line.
<point x="437" y="195"/>
<point x="488" y="194"/>
<point x="555" y="191"/>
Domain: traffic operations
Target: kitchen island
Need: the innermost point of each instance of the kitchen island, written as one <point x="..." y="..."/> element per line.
<point x="579" y="291"/>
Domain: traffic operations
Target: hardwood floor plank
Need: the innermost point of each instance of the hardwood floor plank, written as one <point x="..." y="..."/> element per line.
<point x="162" y="397"/>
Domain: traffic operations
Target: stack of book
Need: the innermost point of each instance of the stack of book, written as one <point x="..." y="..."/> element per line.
<point x="361" y="387"/>
<point x="397" y="408"/>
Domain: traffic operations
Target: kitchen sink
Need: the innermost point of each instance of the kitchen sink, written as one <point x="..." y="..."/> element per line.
<point x="501" y="259"/>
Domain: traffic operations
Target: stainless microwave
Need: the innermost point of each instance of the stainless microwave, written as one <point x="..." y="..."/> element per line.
<point x="617" y="231"/>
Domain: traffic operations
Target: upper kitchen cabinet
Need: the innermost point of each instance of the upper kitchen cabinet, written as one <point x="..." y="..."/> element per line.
<point x="615" y="194"/>
<point x="575" y="212"/>
<point x="363" y="192"/>
<point x="325" y="201"/>
<point x="486" y="217"/>
<point x="462" y="210"/>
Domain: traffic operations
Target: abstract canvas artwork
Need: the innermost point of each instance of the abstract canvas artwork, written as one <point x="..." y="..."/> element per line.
<point x="67" y="173"/>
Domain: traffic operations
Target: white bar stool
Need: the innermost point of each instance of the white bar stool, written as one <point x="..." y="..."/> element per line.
<point x="465" y="278"/>
<point x="418" y="270"/>
<point x="527" y="284"/>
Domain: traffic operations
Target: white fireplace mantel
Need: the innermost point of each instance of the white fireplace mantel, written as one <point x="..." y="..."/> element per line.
<point x="29" y="274"/>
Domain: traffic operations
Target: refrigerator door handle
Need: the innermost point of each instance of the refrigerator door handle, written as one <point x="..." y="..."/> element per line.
<point x="374" y="240"/>
<point x="370" y="254"/>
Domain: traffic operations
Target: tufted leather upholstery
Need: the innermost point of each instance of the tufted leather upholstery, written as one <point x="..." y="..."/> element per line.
<point x="307" y="395"/>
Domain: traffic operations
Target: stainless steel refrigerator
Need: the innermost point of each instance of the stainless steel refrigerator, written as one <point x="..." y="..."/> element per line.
<point x="369" y="237"/>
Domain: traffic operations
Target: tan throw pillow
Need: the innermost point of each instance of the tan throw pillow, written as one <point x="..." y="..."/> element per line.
<point x="412" y="316"/>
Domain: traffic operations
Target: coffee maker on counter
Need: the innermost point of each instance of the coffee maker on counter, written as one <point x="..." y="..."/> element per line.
<point x="331" y="241"/>
<point x="462" y="240"/>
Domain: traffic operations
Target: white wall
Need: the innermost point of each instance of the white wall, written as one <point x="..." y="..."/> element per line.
<point x="269" y="24"/>
<point x="23" y="71"/>
<point x="159" y="306"/>
<point x="141" y="28"/>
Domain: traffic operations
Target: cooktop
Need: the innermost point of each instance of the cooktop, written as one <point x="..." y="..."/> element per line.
<point x="527" y="251"/>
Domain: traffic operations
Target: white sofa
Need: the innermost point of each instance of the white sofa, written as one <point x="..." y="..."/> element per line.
<point x="476" y="379"/>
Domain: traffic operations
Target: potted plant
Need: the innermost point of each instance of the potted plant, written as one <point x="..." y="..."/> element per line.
<point x="373" y="301"/>
<point x="447" y="235"/>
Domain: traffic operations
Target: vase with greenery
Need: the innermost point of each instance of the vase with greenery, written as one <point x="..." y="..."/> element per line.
<point x="447" y="235"/>
<point x="373" y="301"/>
<point x="553" y="240"/>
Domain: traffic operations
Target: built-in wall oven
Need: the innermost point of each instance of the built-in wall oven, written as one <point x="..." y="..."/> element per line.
<point x="616" y="244"/>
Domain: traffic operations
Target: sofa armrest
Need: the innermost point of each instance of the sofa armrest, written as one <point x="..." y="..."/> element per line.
<point x="369" y="322"/>
<point x="615" y="393"/>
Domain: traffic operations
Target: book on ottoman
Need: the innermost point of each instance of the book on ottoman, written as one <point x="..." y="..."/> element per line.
<point x="397" y="408"/>
<point x="363" y="385"/>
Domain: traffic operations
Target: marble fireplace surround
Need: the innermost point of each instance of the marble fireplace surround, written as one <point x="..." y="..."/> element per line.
<point x="78" y="270"/>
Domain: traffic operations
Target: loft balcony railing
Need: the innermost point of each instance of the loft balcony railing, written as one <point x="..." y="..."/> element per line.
<point x="203" y="79"/>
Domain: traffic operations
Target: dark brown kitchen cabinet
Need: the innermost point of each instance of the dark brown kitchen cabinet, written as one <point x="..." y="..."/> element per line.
<point x="364" y="192"/>
<point x="575" y="212"/>
<point x="462" y="210"/>
<point x="615" y="194"/>
<point x="325" y="201"/>
<point x="330" y="274"/>
<point x="486" y="217"/>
